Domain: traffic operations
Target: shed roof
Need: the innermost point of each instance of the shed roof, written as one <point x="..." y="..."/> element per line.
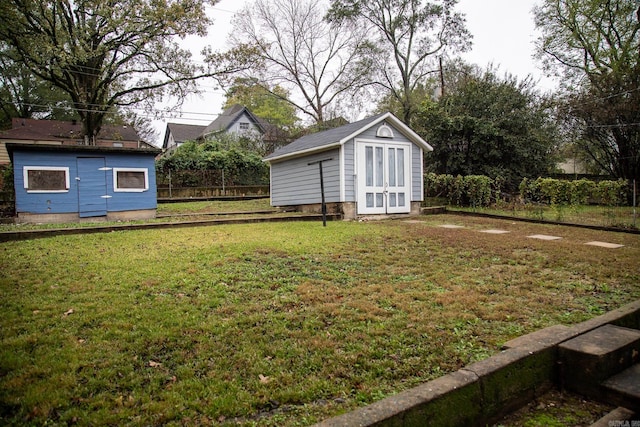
<point x="12" y="146"/>
<point x="324" y="140"/>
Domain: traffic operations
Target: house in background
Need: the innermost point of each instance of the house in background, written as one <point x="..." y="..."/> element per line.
<point x="54" y="132"/>
<point x="370" y="167"/>
<point x="177" y="134"/>
<point x="236" y="120"/>
<point x="69" y="183"/>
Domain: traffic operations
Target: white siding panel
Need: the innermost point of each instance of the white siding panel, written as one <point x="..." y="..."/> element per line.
<point x="295" y="182"/>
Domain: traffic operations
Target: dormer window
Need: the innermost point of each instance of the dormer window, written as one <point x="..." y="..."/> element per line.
<point x="384" y="131"/>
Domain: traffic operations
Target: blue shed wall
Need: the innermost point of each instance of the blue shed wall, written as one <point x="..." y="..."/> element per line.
<point x="68" y="202"/>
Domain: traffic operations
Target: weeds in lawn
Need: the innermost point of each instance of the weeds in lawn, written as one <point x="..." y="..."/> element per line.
<point x="278" y="324"/>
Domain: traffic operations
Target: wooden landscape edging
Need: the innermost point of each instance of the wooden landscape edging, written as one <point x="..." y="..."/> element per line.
<point x="543" y="221"/>
<point x="483" y="392"/>
<point x="7" y="236"/>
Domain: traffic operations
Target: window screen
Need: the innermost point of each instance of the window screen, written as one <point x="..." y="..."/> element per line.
<point x="130" y="179"/>
<point x="46" y="179"/>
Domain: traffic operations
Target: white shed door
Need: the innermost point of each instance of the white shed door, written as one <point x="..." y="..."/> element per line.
<point x="384" y="179"/>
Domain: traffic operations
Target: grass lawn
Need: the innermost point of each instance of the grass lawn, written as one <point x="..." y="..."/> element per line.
<point x="601" y="216"/>
<point x="172" y="212"/>
<point x="279" y="324"/>
<point x="214" y="206"/>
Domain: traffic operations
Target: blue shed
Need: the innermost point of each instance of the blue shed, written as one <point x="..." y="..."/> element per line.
<point x="66" y="183"/>
<point x="370" y="167"/>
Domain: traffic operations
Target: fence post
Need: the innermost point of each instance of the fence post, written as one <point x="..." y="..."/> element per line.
<point x="634" y="196"/>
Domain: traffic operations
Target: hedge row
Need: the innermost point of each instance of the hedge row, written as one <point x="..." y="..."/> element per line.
<point x="470" y="190"/>
<point x="479" y="190"/>
<point x="580" y="192"/>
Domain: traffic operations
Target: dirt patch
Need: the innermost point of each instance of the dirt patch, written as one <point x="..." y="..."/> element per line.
<point x="557" y="408"/>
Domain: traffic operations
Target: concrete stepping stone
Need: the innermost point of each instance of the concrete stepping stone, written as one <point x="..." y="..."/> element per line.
<point x="544" y="237"/>
<point x="495" y="231"/>
<point x="605" y="245"/>
<point x="452" y="226"/>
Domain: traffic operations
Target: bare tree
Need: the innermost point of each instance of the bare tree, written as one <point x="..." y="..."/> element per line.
<point x="318" y="62"/>
<point x="411" y="36"/>
<point x="594" y="47"/>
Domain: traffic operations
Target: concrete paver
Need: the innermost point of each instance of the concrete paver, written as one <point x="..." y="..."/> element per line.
<point x="495" y="231"/>
<point x="544" y="237"/>
<point x="605" y="245"/>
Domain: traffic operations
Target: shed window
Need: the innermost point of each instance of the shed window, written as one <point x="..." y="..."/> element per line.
<point x="46" y="179"/>
<point x="244" y="126"/>
<point x="384" y="131"/>
<point x="130" y="179"/>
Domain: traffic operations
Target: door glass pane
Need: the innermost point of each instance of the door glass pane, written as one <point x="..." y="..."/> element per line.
<point x="369" y="200"/>
<point x="369" y="165"/>
<point x="401" y="167"/>
<point x="401" y="199"/>
<point x="392" y="167"/>
<point x="392" y="200"/>
<point x="379" y="167"/>
<point x="379" y="200"/>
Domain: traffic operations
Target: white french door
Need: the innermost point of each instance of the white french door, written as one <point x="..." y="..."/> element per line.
<point x="383" y="178"/>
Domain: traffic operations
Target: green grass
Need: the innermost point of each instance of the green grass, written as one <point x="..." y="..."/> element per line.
<point x="601" y="216"/>
<point x="214" y="206"/>
<point x="280" y="323"/>
<point x="171" y="212"/>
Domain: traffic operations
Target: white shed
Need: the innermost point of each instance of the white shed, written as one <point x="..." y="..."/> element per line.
<point x="370" y="167"/>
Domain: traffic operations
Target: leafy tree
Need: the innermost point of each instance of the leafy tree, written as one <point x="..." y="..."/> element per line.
<point x="594" y="46"/>
<point x="239" y="167"/>
<point x="269" y="104"/>
<point x="106" y="54"/>
<point x="488" y="125"/>
<point x="411" y="36"/>
<point x="24" y="95"/>
<point x="297" y="50"/>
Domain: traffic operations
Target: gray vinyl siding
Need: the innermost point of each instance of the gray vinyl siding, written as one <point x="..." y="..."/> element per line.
<point x="295" y="182"/>
<point x="348" y="151"/>
<point x="417" y="193"/>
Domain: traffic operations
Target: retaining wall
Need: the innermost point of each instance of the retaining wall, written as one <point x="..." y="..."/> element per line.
<point x="485" y="391"/>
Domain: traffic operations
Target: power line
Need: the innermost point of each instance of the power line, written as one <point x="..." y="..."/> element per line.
<point x="148" y="113"/>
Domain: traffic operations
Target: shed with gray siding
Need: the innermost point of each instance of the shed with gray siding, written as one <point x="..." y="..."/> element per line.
<point x="370" y="167"/>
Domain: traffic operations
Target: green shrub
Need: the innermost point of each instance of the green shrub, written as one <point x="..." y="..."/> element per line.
<point x="611" y="193"/>
<point x="478" y="190"/>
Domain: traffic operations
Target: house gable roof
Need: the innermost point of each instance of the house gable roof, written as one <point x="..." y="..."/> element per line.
<point x="324" y="140"/>
<point x="55" y="130"/>
<point x="182" y="132"/>
<point x="229" y="117"/>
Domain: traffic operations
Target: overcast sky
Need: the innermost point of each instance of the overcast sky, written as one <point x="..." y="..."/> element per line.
<point x="503" y="34"/>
